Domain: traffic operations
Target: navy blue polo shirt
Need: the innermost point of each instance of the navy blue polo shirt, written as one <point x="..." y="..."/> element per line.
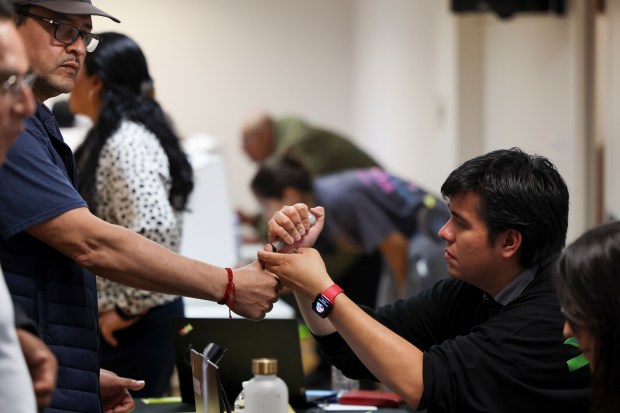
<point x="38" y="181"/>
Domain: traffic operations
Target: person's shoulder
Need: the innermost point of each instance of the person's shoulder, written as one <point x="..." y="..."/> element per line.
<point x="542" y="285"/>
<point x="447" y="294"/>
<point x="289" y="130"/>
<point x="450" y="288"/>
<point x="131" y="127"/>
<point x="289" y="120"/>
<point x="33" y="139"/>
<point x="131" y="133"/>
<point x="34" y="127"/>
<point x="132" y="143"/>
<point x="339" y="178"/>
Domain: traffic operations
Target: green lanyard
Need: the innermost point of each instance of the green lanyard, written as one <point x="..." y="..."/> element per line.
<point x="576" y="362"/>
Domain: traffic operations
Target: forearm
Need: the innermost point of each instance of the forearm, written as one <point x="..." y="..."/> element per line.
<point x="317" y="325"/>
<point x="389" y="357"/>
<point x="123" y="256"/>
<point x="128" y="258"/>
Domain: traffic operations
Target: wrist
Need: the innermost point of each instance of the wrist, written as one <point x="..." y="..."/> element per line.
<point x="230" y="294"/>
<point x="324" y="302"/>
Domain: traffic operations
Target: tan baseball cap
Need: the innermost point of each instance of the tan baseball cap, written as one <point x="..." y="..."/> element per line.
<point x="77" y="7"/>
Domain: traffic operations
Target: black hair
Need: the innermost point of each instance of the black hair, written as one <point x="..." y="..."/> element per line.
<point x="274" y="176"/>
<point x="63" y="115"/>
<point x="588" y="285"/>
<point x="6" y="10"/>
<point x="517" y="191"/>
<point x="127" y="95"/>
<point x="17" y="17"/>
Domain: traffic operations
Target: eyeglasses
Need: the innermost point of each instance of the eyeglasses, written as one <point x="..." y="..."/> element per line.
<point x="15" y="84"/>
<point x="66" y="33"/>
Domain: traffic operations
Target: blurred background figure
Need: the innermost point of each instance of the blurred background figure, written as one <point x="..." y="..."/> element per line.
<point x="367" y="210"/>
<point x="588" y="284"/>
<point x="132" y="172"/>
<point x="62" y="113"/>
<point x="320" y="151"/>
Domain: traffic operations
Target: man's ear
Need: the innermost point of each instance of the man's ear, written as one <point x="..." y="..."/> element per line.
<point x="97" y="84"/>
<point x="511" y="242"/>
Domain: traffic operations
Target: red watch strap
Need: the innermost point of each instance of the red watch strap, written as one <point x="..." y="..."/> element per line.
<point x="332" y="292"/>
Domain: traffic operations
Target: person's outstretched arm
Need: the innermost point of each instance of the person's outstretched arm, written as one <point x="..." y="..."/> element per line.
<point x="392" y="359"/>
<point x="121" y="255"/>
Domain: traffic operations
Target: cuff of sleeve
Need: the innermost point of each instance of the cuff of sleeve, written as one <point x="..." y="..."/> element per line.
<point x="23" y="321"/>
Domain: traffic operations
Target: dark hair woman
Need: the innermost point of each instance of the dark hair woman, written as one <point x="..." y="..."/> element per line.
<point x="588" y="284"/>
<point x="132" y="172"/>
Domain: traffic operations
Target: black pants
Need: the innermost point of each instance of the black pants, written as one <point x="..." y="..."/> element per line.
<point x="145" y="350"/>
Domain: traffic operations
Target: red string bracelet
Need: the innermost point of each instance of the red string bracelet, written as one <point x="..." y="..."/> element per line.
<point x="230" y="287"/>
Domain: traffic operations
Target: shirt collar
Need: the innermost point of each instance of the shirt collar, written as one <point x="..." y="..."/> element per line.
<point x="516" y="286"/>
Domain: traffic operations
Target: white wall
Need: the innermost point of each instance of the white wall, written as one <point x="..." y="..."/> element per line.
<point x="533" y="95"/>
<point x="217" y="61"/>
<point x="612" y="130"/>
<point x="403" y="85"/>
<point x="418" y="87"/>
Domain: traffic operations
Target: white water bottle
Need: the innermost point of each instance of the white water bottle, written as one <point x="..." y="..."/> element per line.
<point x="265" y="392"/>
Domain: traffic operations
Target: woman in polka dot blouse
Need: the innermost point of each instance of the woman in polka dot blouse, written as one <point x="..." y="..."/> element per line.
<point x="132" y="172"/>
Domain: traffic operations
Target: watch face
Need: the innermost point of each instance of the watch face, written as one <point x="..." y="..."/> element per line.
<point x="321" y="305"/>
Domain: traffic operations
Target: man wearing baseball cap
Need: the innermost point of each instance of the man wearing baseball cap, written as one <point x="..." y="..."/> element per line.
<point x="49" y="241"/>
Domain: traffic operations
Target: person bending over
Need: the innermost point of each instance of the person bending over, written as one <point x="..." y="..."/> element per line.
<point x="370" y="211"/>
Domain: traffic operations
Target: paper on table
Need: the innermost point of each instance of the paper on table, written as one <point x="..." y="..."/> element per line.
<point x="347" y="408"/>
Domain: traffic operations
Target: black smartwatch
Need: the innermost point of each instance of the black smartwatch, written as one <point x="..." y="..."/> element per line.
<point x="324" y="302"/>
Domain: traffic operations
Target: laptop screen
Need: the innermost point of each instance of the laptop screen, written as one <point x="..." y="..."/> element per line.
<point x="244" y="340"/>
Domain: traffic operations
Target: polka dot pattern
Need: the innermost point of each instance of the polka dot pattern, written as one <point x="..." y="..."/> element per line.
<point x="133" y="184"/>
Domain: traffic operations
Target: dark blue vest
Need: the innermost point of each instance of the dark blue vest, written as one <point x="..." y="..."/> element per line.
<point x="58" y="294"/>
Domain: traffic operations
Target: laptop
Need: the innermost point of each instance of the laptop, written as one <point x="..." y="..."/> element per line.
<point x="244" y="340"/>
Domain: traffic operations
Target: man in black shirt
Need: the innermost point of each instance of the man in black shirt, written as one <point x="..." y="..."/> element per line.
<point x="489" y="339"/>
